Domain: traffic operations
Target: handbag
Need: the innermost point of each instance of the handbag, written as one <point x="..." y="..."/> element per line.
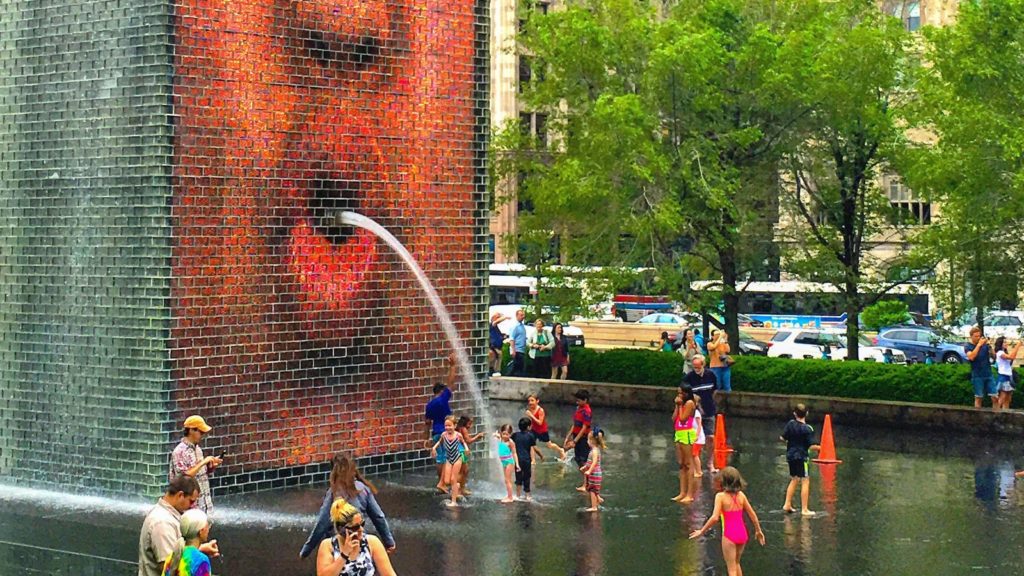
<point x="726" y="359"/>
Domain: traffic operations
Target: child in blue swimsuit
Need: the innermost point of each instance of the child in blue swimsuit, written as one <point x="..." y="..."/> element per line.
<point x="508" y="458"/>
<point x="453" y="445"/>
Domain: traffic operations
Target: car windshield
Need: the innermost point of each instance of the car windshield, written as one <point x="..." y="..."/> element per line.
<point x="945" y="336"/>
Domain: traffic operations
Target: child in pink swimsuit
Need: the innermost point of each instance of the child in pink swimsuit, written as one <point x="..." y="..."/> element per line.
<point x="730" y="504"/>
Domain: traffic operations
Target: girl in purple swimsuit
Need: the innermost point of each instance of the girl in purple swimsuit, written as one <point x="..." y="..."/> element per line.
<point x="730" y="504"/>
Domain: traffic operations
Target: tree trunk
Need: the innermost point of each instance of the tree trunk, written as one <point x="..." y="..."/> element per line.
<point x="852" y="327"/>
<point x="731" y="299"/>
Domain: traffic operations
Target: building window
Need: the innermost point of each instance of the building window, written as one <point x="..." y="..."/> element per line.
<point x="907" y="209"/>
<point x="540" y="128"/>
<point x="909" y="13"/>
<point x="524" y="72"/>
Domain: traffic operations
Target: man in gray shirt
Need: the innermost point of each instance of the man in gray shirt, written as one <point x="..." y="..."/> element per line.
<point x="162" y="527"/>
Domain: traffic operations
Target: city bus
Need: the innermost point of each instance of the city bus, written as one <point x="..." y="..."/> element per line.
<point x="807" y="304"/>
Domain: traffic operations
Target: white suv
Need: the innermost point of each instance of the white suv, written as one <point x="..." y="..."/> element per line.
<point x="1005" y="323"/>
<point x="809" y="343"/>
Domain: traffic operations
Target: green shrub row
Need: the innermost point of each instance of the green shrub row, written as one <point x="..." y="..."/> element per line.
<point x="932" y="383"/>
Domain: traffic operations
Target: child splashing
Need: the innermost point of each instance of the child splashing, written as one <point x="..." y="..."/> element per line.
<point x="465" y="427"/>
<point x="454" y="446"/>
<point x="730" y="504"/>
<point x="592" y="469"/>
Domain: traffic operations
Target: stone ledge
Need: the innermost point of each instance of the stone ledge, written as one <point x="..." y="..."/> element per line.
<point x="851" y="411"/>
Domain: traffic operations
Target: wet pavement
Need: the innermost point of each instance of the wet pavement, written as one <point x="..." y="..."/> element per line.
<point x="901" y="503"/>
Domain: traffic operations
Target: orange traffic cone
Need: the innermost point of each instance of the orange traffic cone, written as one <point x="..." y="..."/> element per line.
<point x="721" y="443"/>
<point x="827" y="454"/>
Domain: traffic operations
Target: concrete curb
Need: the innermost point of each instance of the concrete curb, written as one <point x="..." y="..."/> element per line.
<point x="898" y="415"/>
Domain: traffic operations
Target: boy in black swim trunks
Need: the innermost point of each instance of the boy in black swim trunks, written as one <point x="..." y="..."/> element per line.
<point x="797" y="436"/>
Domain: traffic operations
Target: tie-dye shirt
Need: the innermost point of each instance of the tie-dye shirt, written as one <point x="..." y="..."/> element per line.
<point x="193" y="563"/>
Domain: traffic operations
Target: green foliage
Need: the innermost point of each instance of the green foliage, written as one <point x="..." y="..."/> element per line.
<point x="970" y="100"/>
<point x="930" y="384"/>
<point x="885" y="313"/>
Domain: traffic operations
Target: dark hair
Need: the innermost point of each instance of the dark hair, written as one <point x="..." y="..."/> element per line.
<point x="182" y="483"/>
<point x="438" y="387"/>
<point x="524" y="424"/>
<point x="1000" y="343"/>
<point x="687" y="391"/>
<point x="731" y="480"/>
<point x="685" y="332"/>
<point x="344" y="474"/>
<point x="664" y="335"/>
<point x="800" y="410"/>
<point x="554" y="329"/>
<point x="463" y="421"/>
<point x="505" y="428"/>
<point x="582" y="395"/>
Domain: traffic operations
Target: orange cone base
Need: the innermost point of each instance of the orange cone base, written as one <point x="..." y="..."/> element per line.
<point x="822" y="461"/>
<point x="724" y="450"/>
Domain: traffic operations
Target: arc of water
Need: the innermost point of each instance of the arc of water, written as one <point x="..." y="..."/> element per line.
<point x="358" y="220"/>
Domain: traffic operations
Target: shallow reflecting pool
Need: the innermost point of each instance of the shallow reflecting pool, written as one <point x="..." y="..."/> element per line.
<point x="901" y="503"/>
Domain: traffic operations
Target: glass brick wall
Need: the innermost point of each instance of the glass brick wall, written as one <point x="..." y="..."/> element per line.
<point x="170" y="180"/>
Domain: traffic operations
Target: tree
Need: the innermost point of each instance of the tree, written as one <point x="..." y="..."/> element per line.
<point x="669" y="129"/>
<point x="861" y="70"/>
<point x="971" y="98"/>
<point x="885" y="313"/>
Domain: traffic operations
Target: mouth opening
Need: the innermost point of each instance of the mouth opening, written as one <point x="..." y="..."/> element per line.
<point x="327" y="200"/>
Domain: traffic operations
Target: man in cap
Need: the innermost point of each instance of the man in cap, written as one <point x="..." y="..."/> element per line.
<point x="162" y="527"/>
<point x="187" y="458"/>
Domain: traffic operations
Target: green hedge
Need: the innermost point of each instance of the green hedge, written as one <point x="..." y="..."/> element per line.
<point x="932" y="383"/>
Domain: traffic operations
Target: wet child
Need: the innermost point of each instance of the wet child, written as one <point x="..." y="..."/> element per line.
<point x="683" y="438"/>
<point x="465" y="427"/>
<point x="577" y="436"/>
<point x="539" y="425"/>
<point x="797" y="436"/>
<point x="508" y="459"/>
<point x="592" y="469"/>
<point x="453" y="446"/>
<point x="525" y="443"/>
<point x="730" y="504"/>
<point x="698" y="443"/>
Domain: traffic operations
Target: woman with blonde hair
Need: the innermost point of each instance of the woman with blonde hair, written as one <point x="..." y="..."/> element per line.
<point x="351" y="552"/>
<point x="348" y="484"/>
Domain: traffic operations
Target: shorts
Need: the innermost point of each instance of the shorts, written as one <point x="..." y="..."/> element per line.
<point x="696" y="449"/>
<point x="1005" y="383"/>
<point x="581" y="453"/>
<point x="441" y="456"/>
<point x="798" y="468"/>
<point x="984" y="385"/>
<point x="496" y="349"/>
<point x="708" y="423"/>
<point x="688" y="436"/>
<point x="594" y="482"/>
<point x="543" y="437"/>
<point x="465" y="456"/>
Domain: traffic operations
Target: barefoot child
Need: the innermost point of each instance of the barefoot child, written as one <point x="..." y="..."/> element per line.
<point x="525" y="443"/>
<point x="465" y="427"/>
<point x="698" y="444"/>
<point x="453" y="445"/>
<point x="730" y="504"/>
<point x="592" y="469"/>
<point x="539" y="425"/>
<point x="797" y="436"/>
<point x="577" y="436"/>
<point x="508" y="459"/>
<point x="683" y="439"/>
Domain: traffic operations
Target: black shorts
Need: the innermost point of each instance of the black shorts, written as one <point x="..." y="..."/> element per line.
<point x="543" y="437"/>
<point x="798" y="468"/>
<point x="708" y="423"/>
<point x="581" y="453"/>
<point x="496" y="349"/>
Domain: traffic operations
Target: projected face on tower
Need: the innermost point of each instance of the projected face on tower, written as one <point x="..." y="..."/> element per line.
<point x="287" y="113"/>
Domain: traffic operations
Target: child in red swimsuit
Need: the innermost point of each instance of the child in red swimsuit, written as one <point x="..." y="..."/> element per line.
<point x="730" y="504"/>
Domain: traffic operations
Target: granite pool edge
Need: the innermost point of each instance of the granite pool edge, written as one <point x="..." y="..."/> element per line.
<point x="857" y="412"/>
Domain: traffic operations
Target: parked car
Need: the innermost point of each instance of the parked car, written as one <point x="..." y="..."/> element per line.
<point x="920" y="342"/>
<point x="746" y="321"/>
<point x="572" y="333"/>
<point x="806" y="343"/>
<point x="1001" y="323"/>
<point x="663" y="318"/>
<point x="751" y="346"/>
<point x="868" y="351"/>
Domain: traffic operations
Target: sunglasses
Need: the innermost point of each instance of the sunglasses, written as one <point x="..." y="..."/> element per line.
<point x="354" y="527"/>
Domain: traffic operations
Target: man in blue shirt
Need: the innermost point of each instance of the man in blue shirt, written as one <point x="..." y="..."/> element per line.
<point x="518" y="344"/>
<point x="979" y="355"/>
<point x="437" y="410"/>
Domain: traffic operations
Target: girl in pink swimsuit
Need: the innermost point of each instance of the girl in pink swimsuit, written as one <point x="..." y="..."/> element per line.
<point x="730" y="504"/>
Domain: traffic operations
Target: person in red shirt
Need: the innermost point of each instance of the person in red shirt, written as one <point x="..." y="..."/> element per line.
<point x="539" y="424"/>
<point x="577" y="436"/>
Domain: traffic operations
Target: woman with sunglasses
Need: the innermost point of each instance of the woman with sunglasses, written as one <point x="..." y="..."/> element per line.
<point x="351" y="552"/>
